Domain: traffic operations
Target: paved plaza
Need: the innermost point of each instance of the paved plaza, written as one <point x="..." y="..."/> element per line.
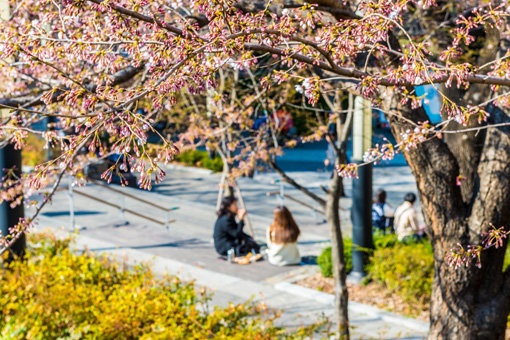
<point x="186" y="248"/>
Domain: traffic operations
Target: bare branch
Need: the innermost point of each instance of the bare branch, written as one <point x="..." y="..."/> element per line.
<point x="117" y="78"/>
<point x="295" y="184"/>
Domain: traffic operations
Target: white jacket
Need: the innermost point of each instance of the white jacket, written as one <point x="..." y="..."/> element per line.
<point x="406" y="221"/>
<point x="282" y="254"/>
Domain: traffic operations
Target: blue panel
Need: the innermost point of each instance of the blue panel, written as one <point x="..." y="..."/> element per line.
<point x="431" y="102"/>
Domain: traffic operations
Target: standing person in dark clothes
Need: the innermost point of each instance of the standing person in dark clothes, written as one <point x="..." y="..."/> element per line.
<point x="228" y="234"/>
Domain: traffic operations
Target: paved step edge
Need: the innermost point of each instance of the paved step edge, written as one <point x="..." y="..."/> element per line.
<point x="175" y="166"/>
<point x="329" y="299"/>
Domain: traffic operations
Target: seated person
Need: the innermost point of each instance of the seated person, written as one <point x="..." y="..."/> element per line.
<point x="228" y="234"/>
<point x="282" y="237"/>
<point x="382" y="212"/>
<point x="406" y="220"/>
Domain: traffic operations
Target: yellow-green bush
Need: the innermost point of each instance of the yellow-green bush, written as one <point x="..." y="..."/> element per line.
<point x="506" y="264"/>
<point x="405" y="268"/>
<point x="200" y="159"/>
<point x="55" y="294"/>
<point x="326" y="264"/>
<point x="33" y="151"/>
<point x="325" y="261"/>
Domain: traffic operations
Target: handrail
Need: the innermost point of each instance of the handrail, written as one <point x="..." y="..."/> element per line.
<point x="123" y="209"/>
<point x="271" y="193"/>
<point x="131" y="196"/>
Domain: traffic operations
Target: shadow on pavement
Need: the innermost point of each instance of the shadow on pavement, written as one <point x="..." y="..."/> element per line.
<point x="183" y="243"/>
<point x="308" y="260"/>
<point x="76" y="213"/>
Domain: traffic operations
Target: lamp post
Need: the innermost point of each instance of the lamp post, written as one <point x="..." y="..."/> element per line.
<point x="10" y="158"/>
<point x="361" y="211"/>
<point x="9" y="217"/>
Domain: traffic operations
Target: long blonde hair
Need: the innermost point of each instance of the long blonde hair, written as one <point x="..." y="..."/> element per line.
<point x="284" y="229"/>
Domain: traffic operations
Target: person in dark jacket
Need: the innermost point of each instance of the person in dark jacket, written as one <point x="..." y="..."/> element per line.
<point x="382" y="213"/>
<point x="228" y="234"/>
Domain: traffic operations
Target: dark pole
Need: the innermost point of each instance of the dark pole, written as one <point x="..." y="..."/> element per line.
<point x="361" y="215"/>
<point x="10" y="159"/>
<point x="50" y="125"/>
<point x="361" y="211"/>
<point x="9" y="217"/>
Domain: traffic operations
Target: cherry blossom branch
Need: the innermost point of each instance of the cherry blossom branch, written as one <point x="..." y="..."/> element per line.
<point x="460" y="256"/>
<point x="24" y="224"/>
<point x="347" y="72"/>
<point x="117" y="78"/>
<point x="139" y="16"/>
<point x="86" y="42"/>
<point x="41" y="113"/>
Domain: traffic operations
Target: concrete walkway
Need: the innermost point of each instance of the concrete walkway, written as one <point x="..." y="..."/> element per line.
<point x="300" y="306"/>
<point x="186" y="249"/>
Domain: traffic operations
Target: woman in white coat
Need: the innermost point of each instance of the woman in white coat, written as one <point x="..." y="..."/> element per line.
<point x="282" y="238"/>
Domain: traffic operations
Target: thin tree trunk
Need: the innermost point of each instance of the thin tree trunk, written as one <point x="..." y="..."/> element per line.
<point x="332" y="208"/>
<point x="337" y="252"/>
<point x="225" y="188"/>
<point x="243" y="206"/>
<point x="221" y="189"/>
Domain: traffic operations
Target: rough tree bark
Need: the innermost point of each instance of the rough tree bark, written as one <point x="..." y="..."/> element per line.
<point x="468" y="302"/>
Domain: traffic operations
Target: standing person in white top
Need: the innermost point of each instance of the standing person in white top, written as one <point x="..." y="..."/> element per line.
<point x="406" y="220"/>
<point x="282" y="238"/>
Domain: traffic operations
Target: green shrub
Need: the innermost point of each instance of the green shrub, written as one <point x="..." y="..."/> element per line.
<point x="324" y="259"/>
<point x="385" y="240"/>
<point x="507" y="258"/>
<point x="326" y="264"/>
<point x="33" y="152"/>
<point x="56" y="294"/>
<point x="406" y="269"/>
<point x="200" y="159"/>
<point x="215" y="164"/>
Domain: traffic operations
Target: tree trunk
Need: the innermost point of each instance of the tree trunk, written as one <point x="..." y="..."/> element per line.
<point x="467" y="302"/>
<point x="332" y="208"/>
<point x="471" y="302"/>
<point x="337" y="253"/>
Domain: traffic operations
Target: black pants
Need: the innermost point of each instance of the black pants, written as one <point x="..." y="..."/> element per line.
<point x="246" y="244"/>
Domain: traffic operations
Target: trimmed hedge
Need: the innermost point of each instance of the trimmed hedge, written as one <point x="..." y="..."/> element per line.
<point x="200" y="159"/>
<point x="33" y="152"/>
<point x="55" y="294"/>
<point x="326" y="264"/>
<point x="506" y="264"/>
<point x="404" y="268"/>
